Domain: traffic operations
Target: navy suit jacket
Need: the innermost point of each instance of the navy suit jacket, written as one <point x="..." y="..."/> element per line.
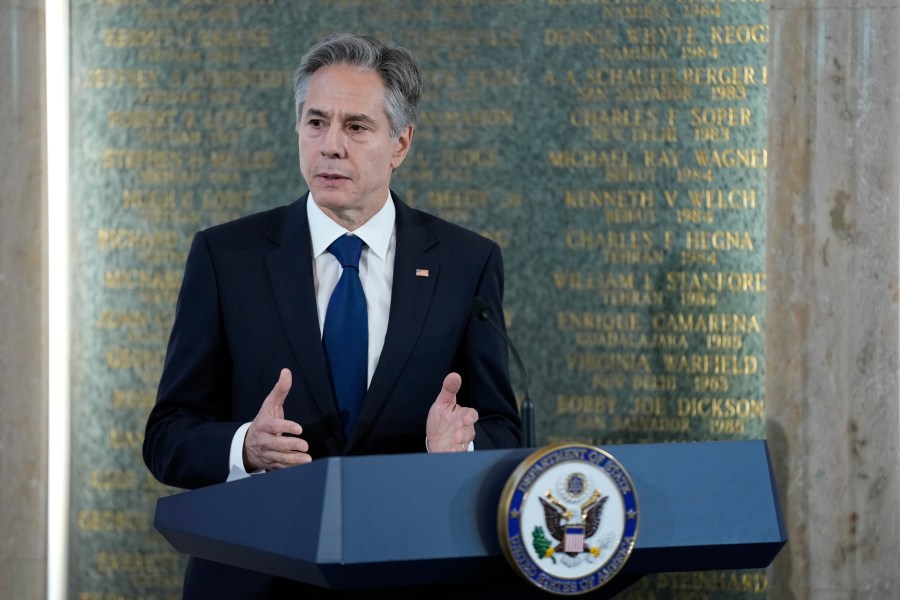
<point x="247" y="309"/>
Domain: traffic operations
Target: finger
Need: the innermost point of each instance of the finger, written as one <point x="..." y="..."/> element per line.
<point x="449" y="389"/>
<point x="469" y="417"/>
<point x="275" y="400"/>
<point x="290" y="459"/>
<point x="279" y="460"/>
<point x="464" y="435"/>
<point x="284" y="444"/>
<point x="463" y="438"/>
<point x="279" y="427"/>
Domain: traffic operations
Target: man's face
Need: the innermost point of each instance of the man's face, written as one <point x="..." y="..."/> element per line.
<point x="347" y="153"/>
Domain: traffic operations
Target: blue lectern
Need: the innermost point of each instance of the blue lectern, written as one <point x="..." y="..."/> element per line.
<point x="431" y="519"/>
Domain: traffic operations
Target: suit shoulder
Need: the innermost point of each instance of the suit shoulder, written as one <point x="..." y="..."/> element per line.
<point x="250" y="230"/>
<point x="260" y="221"/>
<point x="451" y="233"/>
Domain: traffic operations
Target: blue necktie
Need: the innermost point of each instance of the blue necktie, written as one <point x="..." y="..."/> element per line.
<point x="346" y="335"/>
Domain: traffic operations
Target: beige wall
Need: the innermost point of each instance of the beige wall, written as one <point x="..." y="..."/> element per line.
<point x="832" y="326"/>
<point x="832" y="320"/>
<point x="23" y="318"/>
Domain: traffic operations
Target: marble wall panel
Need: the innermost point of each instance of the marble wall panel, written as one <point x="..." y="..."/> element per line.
<point x="22" y="317"/>
<point x="832" y="306"/>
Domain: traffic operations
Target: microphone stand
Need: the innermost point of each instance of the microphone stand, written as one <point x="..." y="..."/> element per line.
<point x="484" y="312"/>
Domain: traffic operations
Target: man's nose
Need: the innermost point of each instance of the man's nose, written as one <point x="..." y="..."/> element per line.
<point x="333" y="142"/>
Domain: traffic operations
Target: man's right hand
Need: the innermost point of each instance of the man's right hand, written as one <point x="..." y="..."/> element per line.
<point x="266" y="446"/>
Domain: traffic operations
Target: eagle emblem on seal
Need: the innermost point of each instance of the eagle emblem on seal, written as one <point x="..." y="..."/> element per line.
<point x="570" y="527"/>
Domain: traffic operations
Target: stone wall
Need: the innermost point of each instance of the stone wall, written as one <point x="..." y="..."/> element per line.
<point x="23" y="319"/>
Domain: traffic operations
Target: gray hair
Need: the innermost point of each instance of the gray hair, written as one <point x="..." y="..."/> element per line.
<point x="394" y="64"/>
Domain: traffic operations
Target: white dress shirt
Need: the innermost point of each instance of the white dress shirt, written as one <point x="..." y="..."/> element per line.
<point x="376" y="268"/>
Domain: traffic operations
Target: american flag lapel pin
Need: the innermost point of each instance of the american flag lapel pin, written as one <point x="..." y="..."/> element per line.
<point x="421" y="272"/>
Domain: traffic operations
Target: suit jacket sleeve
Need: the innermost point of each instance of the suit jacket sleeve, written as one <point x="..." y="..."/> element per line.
<point x="189" y="430"/>
<point x="486" y="367"/>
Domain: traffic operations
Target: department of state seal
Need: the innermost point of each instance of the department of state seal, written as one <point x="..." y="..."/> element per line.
<point x="568" y="518"/>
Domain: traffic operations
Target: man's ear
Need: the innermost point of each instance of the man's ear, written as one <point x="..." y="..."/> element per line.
<point x="401" y="146"/>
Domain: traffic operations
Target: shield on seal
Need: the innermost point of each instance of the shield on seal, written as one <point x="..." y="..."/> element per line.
<point x="574" y="539"/>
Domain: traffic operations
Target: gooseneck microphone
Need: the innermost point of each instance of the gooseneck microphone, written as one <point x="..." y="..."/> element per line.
<point x="482" y="310"/>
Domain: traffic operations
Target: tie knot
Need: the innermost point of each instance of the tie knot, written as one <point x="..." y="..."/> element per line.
<point x="347" y="249"/>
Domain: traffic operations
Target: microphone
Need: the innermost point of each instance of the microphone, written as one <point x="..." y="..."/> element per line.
<point x="482" y="310"/>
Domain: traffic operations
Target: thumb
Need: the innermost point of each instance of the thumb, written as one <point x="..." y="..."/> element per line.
<point x="451" y="385"/>
<point x="275" y="400"/>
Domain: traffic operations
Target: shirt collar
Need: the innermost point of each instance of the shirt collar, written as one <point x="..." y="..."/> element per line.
<point x="376" y="232"/>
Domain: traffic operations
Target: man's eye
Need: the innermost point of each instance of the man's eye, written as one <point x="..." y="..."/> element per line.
<point x="315" y="122"/>
<point x="356" y="127"/>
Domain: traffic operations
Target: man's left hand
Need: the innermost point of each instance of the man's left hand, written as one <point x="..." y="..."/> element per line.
<point x="450" y="427"/>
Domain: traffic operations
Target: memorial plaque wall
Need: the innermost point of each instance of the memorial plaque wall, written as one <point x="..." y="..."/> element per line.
<point x="614" y="149"/>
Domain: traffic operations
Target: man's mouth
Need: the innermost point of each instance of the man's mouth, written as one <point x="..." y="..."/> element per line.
<point x="331" y="176"/>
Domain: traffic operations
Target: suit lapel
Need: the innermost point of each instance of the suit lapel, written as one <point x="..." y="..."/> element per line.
<point x="415" y="276"/>
<point x="290" y="272"/>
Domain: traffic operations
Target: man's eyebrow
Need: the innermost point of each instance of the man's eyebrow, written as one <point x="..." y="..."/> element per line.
<point x="315" y="112"/>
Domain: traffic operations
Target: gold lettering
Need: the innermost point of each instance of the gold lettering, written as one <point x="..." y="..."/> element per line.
<point x="603" y="321"/>
<point x="661" y="34"/>
<point x="658" y="159"/>
<point x="646" y="405"/>
<point x="130" y="279"/>
<point x="654" y="383"/>
<point x="607" y="361"/>
<point x="579" y="239"/>
<point x="236" y="119"/>
<point x="631" y="340"/>
<point x="719" y="240"/>
<point x="445" y="199"/>
<point x="142" y="562"/>
<point x="585" y="404"/>
<point x="121" y="37"/>
<point x="113" y="479"/>
<point x="729" y="117"/>
<point x="120" y="159"/>
<point x="130" y="239"/>
<point x="739" y="34"/>
<point x="744" y="408"/>
<point x="732" y="158"/>
<point x="468" y="157"/>
<point x="259" y="160"/>
<point x="715" y="364"/>
<point x="706" y="323"/>
<point x="731" y="581"/>
<point x="234" y="38"/>
<point x="579" y="37"/>
<point x="740" y="198"/>
<point x="121" y="78"/>
<point x="738" y="282"/>
<point x="621" y="198"/>
<point x="588" y="159"/>
<point x="578" y="280"/>
<point x="119" y="319"/>
<point x="237" y="79"/>
<point x="651" y="424"/>
<point x="488" y="117"/>
<point x="113" y="520"/>
<point x="227" y="200"/>
<point x="141" y="119"/>
<point x="727" y="75"/>
<point x="119" y="438"/>
<point x="133" y="398"/>
<point x="636" y="12"/>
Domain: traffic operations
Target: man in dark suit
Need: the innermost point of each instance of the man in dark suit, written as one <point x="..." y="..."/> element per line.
<point x="252" y="311"/>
